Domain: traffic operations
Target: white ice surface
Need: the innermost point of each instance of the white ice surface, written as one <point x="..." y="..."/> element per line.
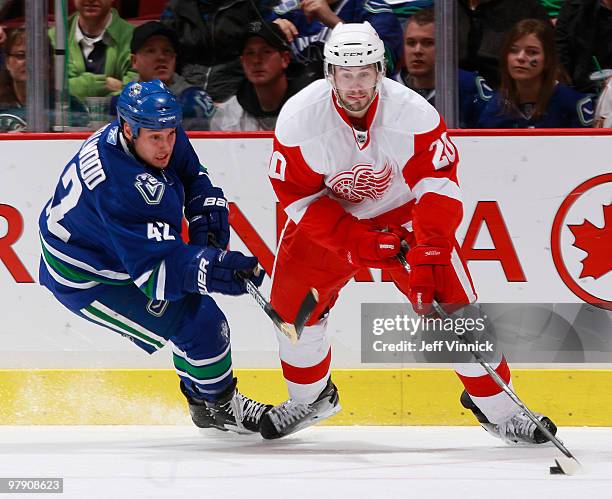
<point x="317" y="463"/>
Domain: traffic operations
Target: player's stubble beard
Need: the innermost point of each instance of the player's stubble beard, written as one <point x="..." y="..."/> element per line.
<point x="356" y="109"/>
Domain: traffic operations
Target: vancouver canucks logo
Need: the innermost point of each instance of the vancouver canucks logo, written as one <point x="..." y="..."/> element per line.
<point x="152" y="190"/>
<point x="157" y="307"/>
<point x="135" y="90"/>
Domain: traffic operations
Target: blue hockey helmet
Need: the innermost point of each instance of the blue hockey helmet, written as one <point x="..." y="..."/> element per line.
<point x="148" y="104"/>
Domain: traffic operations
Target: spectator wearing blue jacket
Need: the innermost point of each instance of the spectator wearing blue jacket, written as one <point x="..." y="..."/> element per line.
<point x="307" y="26"/>
<point x="530" y="96"/>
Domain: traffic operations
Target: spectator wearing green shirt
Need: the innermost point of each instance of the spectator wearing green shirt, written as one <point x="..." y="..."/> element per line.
<point x="98" y="50"/>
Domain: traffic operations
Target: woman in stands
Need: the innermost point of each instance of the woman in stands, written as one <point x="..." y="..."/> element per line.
<point x="530" y="95"/>
<point x="13" y="84"/>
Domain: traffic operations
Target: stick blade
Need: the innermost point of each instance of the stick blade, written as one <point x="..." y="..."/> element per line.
<point x="306" y="308"/>
<point x="566" y="466"/>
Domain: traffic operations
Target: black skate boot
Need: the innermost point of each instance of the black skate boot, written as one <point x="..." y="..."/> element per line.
<point x="519" y="429"/>
<point x="232" y="411"/>
<point x="291" y="416"/>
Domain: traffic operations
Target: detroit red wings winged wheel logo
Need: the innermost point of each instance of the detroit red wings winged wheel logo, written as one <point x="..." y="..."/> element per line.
<point x="361" y="182"/>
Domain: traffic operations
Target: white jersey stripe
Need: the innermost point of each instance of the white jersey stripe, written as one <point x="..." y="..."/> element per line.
<point x="126" y="321"/>
<point x="199" y="363"/>
<point x="161" y="282"/>
<point x="297" y="209"/>
<point x="204" y="381"/>
<point x="82" y="265"/>
<point x="442" y="186"/>
<point x="143" y="278"/>
<point x="58" y="278"/>
<point x="110" y="325"/>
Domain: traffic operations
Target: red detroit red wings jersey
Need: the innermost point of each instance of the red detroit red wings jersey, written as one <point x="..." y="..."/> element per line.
<point x="400" y="171"/>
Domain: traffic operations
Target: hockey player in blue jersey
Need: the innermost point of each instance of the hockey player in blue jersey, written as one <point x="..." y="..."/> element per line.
<point x="112" y="251"/>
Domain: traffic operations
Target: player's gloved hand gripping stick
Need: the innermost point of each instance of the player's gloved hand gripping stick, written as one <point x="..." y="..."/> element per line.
<point x="291" y="331"/>
<point x="568" y="464"/>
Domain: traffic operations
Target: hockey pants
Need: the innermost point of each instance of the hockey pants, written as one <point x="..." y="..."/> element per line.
<point x="301" y="264"/>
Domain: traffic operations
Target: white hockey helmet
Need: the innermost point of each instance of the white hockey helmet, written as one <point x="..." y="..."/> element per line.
<point x="354" y="44"/>
<point x="351" y="45"/>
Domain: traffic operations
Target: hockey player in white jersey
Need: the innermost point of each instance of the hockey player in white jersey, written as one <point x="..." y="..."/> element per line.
<point x="112" y="250"/>
<point x="360" y="164"/>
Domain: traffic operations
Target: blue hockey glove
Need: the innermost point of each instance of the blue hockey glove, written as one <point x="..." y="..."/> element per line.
<point x="208" y="214"/>
<point x="217" y="271"/>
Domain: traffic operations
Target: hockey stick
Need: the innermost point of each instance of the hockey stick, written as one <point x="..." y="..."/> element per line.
<point x="570" y="465"/>
<point x="291" y="331"/>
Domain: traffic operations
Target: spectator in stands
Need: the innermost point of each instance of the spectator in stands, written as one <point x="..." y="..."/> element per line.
<point x="403" y="9"/>
<point x="265" y="89"/>
<point x="154" y="47"/>
<point x="584" y="40"/>
<point x="603" y="113"/>
<point x="13" y="81"/>
<point x="483" y="25"/>
<point x="210" y="33"/>
<point x="530" y="95"/>
<point x="13" y="78"/>
<point x="419" y="71"/>
<point x="98" y="50"/>
<point x="308" y="25"/>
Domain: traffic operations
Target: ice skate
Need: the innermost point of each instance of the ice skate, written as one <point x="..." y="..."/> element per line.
<point x="519" y="429"/>
<point x="291" y="416"/>
<point x="232" y="411"/>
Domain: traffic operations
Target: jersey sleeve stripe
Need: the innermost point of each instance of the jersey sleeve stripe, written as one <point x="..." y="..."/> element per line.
<point x="297" y="209"/>
<point x="65" y="282"/>
<point x="143" y="278"/>
<point x="119" y="276"/>
<point x="441" y="186"/>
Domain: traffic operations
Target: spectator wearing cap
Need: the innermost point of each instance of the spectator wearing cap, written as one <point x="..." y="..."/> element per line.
<point x="210" y="33"/>
<point x="98" y="50"/>
<point x="265" y="57"/>
<point x="154" y="49"/>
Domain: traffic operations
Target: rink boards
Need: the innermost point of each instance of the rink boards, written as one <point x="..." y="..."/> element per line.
<point x="521" y="193"/>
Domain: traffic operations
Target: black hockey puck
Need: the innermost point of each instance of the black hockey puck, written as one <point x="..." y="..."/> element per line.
<point x="556" y="470"/>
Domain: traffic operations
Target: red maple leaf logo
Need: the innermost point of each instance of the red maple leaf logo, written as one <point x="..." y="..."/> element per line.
<point x="597" y="243"/>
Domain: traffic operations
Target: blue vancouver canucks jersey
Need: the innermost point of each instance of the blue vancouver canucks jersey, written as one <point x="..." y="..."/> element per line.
<point x="567" y="108"/>
<point x="113" y="221"/>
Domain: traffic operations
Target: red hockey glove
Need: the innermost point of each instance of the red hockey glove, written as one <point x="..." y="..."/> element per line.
<point x="375" y="250"/>
<point x="423" y="260"/>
